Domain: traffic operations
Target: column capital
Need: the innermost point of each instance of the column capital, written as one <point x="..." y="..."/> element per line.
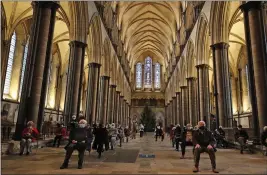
<point x="105" y="77"/>
<point x="46" y="4"/>
<point x="122" y="96"/>
<point x="173" y="97"/>
<point x="124" y="100"/>
<point x="183" y="87"/>
<point x="112" y="86"/>
<point x="201" y="66"/>
<point x="77" y="44"/>
<point x="251" y="5"/>
<point x="118" y="92"/>
<point x="177" y="93"/>
<point x="221" y="45"/>
<point x="191" y="78"/>
<point x="94" y="65"/>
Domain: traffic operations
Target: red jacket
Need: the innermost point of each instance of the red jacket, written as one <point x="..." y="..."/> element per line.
<point x="33" y="133"/>
<point x="64" y="132"/>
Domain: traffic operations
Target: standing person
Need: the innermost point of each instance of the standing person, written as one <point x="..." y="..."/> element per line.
<point x="185" y="139"/>
<point x="134" y="131"/>
<point x="204" y="143"/>
<point x="113" y="133"/>
<point x="241" y="136"/>
<point x="141" y="130"/>
<point x="90" y="137"/>
<point x="120" y="134"/>
<point x="78" y="141"/>
<point x="29" y="135"/>
<point x="177" y="135"/>
<point x="172" y="138"/>
<point x="264" y="139"/>
<point x="60" y="132"/>
<point x="100" y="136"/>
<point x="159" y="132"/>
<point x="126" y="133"/>
<point x="73" y="123"/>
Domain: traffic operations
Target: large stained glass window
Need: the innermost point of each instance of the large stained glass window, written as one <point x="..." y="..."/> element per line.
<point x="157" y="76"/>
<point x="10" y="64"/>
<point x="138" y="75"/>
<point x="23" y="67"/>
<point x="148" y="73"/>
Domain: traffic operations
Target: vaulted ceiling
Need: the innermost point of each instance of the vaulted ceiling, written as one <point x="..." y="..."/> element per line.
<point x="149" y="29"/>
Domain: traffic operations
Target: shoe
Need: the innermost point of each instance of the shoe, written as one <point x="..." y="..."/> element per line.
<point x="195" y="170"/>
<point x="214" y="170"/>
<point x="80" y="166"/>
<point x="63" y="166"/>
<point x="27" y="153"/>
<point x="20" y="154"/>
<point x="182" y="157"/>
<point x="241" y="152"/>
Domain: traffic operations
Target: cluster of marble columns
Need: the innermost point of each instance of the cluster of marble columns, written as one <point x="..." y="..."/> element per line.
<point x="193" y="99"/>
<point x="102" y="104"/>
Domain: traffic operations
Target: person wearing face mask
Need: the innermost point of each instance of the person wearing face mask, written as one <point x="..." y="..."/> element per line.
<point x="73" y="123"/>
<point x="204" y="142"/>
<point x="29" y="135"/>
<point x="78" y="141"/>
<point x="241" y="136"/>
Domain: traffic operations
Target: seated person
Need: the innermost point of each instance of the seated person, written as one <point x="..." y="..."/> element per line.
<point x="29" y="135"/>
<point x="241" y="136"/>
<point x="78" y="141"/>
<point x="204" y="141"/>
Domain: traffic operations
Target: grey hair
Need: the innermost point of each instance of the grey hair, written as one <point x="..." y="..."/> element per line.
<point x="202" y="122"/>
<point x="265" y="128"/>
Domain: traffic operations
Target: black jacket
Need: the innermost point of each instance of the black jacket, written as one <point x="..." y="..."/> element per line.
<point x="203" y="138"/>
<point x="101" y="135"/>
<point x="241" y="133"/>
<point x="264" y="138"/>
<point x="178" y="132"/>
<point x="221" y="131"/>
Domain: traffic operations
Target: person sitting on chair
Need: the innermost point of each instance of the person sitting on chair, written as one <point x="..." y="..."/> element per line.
<point x="78" y="141"/>
<point x="241" y="136"/>
<point x="29" y="135"/>
<point x="264" y="139"/>
<point x="204" y="141"/>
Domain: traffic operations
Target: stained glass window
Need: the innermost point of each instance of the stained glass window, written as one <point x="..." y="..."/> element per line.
<point x="10" y="64"/>
<point x="138" y="75"/>
<point x="157" y="76"/>
<point x="23" y="67"/>
<point x="148" y="73"/>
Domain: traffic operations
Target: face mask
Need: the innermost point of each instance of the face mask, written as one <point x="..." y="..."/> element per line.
<point x="82" y="125"/>
<point x="201" y="127"/>
<point x="73" y="118"/>
<point x="30" y="127"/>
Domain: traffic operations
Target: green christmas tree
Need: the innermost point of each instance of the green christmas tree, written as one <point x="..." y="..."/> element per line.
<point x="148" y="119"/>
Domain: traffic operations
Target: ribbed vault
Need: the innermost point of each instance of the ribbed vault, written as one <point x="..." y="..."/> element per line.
<point x="149" y="28"/>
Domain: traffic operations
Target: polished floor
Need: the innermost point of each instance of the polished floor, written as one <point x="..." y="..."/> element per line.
<point x="126" y="160"/>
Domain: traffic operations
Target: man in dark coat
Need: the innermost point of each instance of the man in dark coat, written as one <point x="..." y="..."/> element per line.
<point x="100" y="137"/>
<point x="177" y="135"/>
<point x="184" y="139"/>
<point x="241" y="136"/>
<point x="78" y="141"/>
<point x="204" y="141"/>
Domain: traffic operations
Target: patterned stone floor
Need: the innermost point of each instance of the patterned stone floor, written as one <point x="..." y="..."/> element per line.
<point x="126" y="160"/>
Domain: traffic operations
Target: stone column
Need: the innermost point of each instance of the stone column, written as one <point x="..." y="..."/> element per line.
<point x="178" y="108"/>
<point x="125" y="114"/>
<point x="92" y="92"/>
<point x="170" y="112"/>
<point x="203" y="93"/>
<point x="74" y="80"/>
<point x="192" y="101"/>
<point x="118" y="108"/>
<point x="174" y="114"/>
<point x="103" y="100"/>
<point x="121" y="110"/>
<point x="166" y="116"/>
<point x="35" y="78"/>
<point x="111" y="103"/>
<point x="114" y="116"/>
<point x="184" y="105"/>
<point x="222" y="85"/>
<point x="257" y="58"/>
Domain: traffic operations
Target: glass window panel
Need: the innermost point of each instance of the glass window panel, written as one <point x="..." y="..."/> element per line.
<point x="10" y="64"/>
<point x="148" y="73"/>
<point x="23" y="67"/>
<point x="157" y="76"/>
<point x="138" y="75"/>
